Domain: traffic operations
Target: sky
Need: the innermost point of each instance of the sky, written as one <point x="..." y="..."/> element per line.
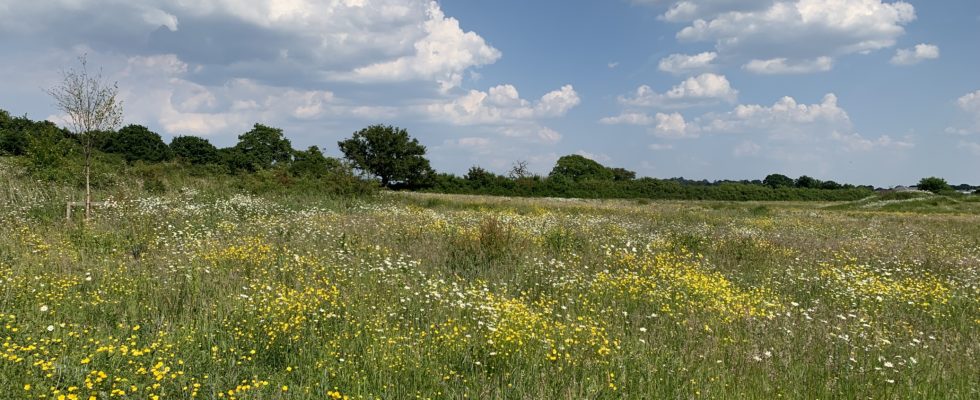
<point x="858" y="91"/>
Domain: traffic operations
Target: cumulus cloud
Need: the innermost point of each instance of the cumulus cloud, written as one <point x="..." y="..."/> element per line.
<point x="502" y="105"/>
<point x="784" y="66"/>
<point x="794" y="124"/>
<point x="789" y="35"/>
<point x="442" y="54"/>
<point x="685" y="63"/>
<point x="502" y="108"/>
<point x="915" y="55"/>
<point x="673" y="126"/>
<point x="703" y="89"/>
<point x="363" y="41"/>
<point x="660" y="146"/>
<point x="969" y="103"/>
<point x="155" y="91"/>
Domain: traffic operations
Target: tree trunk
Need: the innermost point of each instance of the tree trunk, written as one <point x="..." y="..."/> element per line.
<point x="88" y="188"/>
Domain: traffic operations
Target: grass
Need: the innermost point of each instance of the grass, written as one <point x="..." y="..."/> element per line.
<point x="203" y="293"/>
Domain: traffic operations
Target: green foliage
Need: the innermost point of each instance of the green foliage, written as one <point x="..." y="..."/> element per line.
<point x="934" y="184"/>
<point x="312" y="163"/>
<point x="194" y="150"/>
<point x="807" y="182"/>
<point x="578" y="168"/>
<point x="776" y="181"/>
<point x="622" y="174"/>
<point x="261" y="148"/>
<point x="390" y="154"/>
<point x="137" y="143"/>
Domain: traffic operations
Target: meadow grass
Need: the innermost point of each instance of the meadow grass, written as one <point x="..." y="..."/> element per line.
<point x="201" y="293"/>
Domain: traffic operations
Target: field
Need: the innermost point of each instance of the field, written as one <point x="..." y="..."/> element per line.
<point x="199" y="294"/>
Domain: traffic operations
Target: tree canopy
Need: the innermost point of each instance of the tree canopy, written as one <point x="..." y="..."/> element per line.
<point x="389" y="153"/>
<point x="137" y="142"/>
<point x="262" y="147"/>
<point x="776" y="181"/>
<point x="194" y="150"/>
<point x="934" y="184"/>
<point x="579" y="168"/>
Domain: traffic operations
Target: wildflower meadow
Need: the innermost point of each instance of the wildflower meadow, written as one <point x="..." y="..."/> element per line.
<point x="199" y="293"/>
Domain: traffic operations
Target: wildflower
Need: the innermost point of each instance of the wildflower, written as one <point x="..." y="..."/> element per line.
<point x="27" y="387"/>
<point x="50" y="328"/>
<point x="44" y="308"/>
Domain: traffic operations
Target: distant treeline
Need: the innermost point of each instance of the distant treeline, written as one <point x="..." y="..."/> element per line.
<point x="264" y="159"/>
<point x="580" y="177"/>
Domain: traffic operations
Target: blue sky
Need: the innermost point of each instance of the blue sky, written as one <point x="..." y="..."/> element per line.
<point x="861" y="91"/>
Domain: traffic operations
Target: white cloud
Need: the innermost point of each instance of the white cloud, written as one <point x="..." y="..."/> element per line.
<point x="916" y="54"/>
<point x="673" y="126"/>
<point x="502" y="110"/>
<point x="443" y="54"/>
<point x="501" y="105"/>
<point x="783" y="66"/>
<point x="703" y="89"/>
<point x="660" y="147"/>
<point x="628" y="118"/>
<point x="684" y="63"/>
<point x="803" y="126"/>
<point x="155" y="91"/>
<point x="800" y="32"/>
<point x="158" y="17"/>
<point x="365" y="41"/>
<point x="970" y="103"/>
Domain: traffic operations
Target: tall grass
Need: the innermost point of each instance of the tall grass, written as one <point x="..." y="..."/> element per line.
<point x="203" y="292"/>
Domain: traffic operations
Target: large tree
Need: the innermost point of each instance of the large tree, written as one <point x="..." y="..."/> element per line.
<point x="137" y="142"/>
<point x="91" y="104"/>
<point x="194" y="150"/>
<point x="776" y="181"/>
<point x="389" y="153"/>
<point x="579" y="168"/>
<point x="263" y="147"/>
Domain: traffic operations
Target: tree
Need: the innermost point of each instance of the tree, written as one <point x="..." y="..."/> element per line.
<point x="776" y="181"/>
<point x="622" y="174"/>
<point x="137" y="142"/>
<point x="579" y="168"/>
<point x="807" y="182"/>
<point x="519" y="170"/>
<point x="389" y="153"/>
<point x="91" y="104"/>
<point x="13" y="140"/>
<point x="934" y="184"/>
<point x="312" y="163"/>
<point x="194" y="150"/>
<point x="830" y="185"/>
<point x="264" y="146"/>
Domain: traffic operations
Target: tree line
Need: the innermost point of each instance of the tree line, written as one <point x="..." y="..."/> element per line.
<point x="389" y="156"/>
